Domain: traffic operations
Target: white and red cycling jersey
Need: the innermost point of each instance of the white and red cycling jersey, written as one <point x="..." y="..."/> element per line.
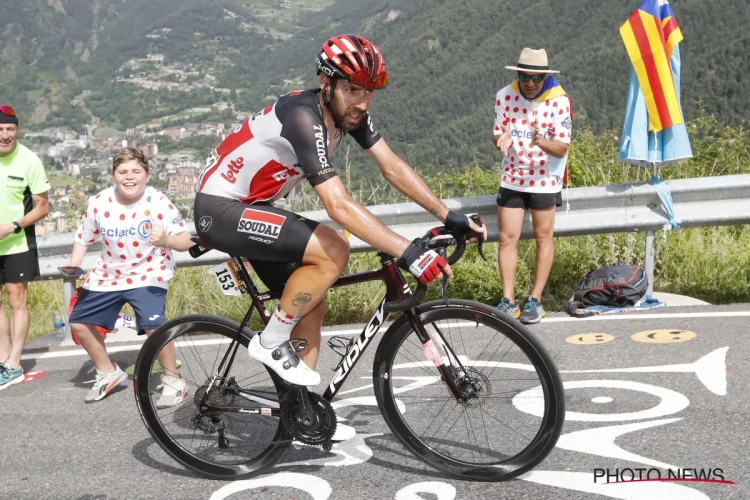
<point x="268" y="154"/>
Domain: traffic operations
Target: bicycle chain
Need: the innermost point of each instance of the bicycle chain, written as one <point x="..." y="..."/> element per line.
<point x="289" y="396"/>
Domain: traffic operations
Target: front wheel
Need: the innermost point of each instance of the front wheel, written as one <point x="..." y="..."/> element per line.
<point x="513" y="410"/>
<point x="245" y="437"/>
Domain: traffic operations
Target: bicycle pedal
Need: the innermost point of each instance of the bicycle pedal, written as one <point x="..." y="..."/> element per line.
<point x="341" y="343"/>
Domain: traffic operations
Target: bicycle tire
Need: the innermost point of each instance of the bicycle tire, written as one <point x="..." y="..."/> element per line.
<point x="462" y="310"/>
<point x="148" y="355"/>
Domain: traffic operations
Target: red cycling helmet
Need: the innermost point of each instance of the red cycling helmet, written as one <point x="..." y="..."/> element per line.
<point x="355" y="59"/>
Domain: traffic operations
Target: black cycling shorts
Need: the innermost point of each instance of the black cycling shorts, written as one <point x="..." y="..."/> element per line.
<point x="271" y="239"/>
<point x="508" y="198"/>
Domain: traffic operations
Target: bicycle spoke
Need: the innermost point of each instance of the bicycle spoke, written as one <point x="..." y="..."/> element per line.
<point x="194" y="433"/>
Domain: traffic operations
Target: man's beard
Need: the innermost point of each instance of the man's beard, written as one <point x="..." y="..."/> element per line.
<point x="339" y="118"/>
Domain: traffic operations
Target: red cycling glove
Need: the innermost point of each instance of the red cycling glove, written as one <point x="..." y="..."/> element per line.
<point x="424" y="264"/>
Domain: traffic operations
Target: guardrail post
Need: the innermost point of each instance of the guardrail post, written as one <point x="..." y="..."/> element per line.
<point x="69" y="290"/>
<point x="650" y="262"/>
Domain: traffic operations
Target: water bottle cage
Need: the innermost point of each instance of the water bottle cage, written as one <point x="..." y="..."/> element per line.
<point x="340" y="345"/>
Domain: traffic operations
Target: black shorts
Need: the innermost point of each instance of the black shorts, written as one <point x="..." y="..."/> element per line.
<point x="509" y="198"/>
<point x="19" y="267"/>
<point x="271" y="239"/>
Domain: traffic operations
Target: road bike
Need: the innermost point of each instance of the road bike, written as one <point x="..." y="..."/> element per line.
<point x="466" y="388"/>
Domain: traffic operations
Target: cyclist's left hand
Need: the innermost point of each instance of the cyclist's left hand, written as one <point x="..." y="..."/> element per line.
<point x="456" y="222"/>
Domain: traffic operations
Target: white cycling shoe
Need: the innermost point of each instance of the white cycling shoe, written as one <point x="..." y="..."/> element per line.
<point x="285" y="361"/>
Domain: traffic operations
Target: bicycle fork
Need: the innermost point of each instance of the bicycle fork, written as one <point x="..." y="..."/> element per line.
<point x="432" y="344"/>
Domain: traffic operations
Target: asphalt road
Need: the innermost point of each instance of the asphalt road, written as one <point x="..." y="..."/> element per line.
<point x="678" y="404"/>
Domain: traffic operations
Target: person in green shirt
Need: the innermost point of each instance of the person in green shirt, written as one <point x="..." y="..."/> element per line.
<point x="23" y="191"/>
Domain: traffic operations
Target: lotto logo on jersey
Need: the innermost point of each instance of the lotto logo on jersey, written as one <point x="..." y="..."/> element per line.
<point x="233" y="168"/>
<point x="283" y="175"/>
<point x="260" y="223"/>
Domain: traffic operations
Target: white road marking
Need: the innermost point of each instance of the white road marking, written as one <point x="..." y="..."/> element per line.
<point x="724" y="314"/>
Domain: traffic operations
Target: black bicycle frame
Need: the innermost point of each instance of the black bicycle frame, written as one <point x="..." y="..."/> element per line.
<point x="396" y="289"/>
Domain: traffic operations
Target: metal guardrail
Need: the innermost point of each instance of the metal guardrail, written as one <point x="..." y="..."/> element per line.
<point x="699" y="202"/>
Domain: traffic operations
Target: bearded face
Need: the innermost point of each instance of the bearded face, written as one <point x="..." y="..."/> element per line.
<point x="349" y="105"/>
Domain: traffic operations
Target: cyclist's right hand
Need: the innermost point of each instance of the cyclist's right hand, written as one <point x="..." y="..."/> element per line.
<point x="426" y="265"/>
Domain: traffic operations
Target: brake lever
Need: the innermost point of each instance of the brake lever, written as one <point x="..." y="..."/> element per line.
<point x="476" y="219"/>
<point x="441" y="288"/>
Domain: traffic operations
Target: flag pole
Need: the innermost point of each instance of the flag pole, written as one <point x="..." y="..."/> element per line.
<point x="650" y="251"/>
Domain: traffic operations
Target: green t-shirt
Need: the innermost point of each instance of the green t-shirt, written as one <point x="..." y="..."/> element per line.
<point x="21" y="175"/>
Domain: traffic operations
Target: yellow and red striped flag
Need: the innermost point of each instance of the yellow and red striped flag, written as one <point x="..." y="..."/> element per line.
<point x="650" y="34"/>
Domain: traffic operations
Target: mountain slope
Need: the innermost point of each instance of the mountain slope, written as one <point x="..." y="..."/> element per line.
<point x="446" y="60"/>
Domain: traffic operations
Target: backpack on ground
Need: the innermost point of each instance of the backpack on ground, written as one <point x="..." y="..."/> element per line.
<point x="618" y="285"/>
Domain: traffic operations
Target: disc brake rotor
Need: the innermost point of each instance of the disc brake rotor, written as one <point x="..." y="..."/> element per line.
<point x="476" y="386"/>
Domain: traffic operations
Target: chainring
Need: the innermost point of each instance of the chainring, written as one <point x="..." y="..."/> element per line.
<point x="323" y="426"/>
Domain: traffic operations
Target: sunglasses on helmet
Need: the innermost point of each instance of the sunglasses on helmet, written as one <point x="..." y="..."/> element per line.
<point x="362" y="80"/>
<point x="7" y="110"/>
<point x="524" y="77"/>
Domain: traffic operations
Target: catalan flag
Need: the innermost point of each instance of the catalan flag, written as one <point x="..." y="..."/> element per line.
<point x="650" y="35"/>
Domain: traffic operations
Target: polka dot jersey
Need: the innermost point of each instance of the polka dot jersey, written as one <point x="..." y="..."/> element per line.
<point x="128" y="260"/>
<point x="526" y="167"/>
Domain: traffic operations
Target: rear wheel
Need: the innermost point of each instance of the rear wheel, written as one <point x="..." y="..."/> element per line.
<point x="218" y="444"/>
<point x="491" y="436"/>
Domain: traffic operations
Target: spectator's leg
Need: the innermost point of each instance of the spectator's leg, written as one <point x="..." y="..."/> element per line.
<point x="543" y="221"/>
<point x="5" y="344"/>
<point x="19" y="326"/>
<point x="167" y="358"/>
<point x="510" y="222"/>
<point x="93" y="343"/>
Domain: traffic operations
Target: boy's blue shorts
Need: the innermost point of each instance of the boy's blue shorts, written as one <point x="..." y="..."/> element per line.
<point x="102" y="308"/>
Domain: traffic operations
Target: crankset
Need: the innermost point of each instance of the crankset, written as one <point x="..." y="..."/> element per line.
<point x="308" y="417"/>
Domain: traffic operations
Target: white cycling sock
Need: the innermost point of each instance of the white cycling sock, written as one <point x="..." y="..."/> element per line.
<point x="279" y="328"/>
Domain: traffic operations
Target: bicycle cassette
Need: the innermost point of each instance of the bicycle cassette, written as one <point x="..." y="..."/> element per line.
<point x="316" y="431"/>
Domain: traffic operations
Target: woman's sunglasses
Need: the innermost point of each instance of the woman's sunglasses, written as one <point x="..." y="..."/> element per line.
<point x="7" y="110"/>
<point x="523" y="77"/>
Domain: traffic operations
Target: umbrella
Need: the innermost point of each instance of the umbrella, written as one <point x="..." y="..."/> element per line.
<point x="654" y="130"/>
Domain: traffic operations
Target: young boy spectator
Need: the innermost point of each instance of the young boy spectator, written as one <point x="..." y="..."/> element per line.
<point x="139" y="228"/>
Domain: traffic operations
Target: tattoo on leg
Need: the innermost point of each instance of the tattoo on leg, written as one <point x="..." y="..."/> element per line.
<point x="301" y="298"/>
<point x="434" y="211"/>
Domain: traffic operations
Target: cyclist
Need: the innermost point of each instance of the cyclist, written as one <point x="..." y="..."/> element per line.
<point x="260" y="162"/>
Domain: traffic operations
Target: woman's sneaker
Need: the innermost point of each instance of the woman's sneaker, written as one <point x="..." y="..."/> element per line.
<point x="533" y="312"/>
<point x="173" y="391"/>
<point x="10" y="375"/>
<point x="509" y="308"/>
<point x="285" y="361"/>
<point x="104" y="383"/>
